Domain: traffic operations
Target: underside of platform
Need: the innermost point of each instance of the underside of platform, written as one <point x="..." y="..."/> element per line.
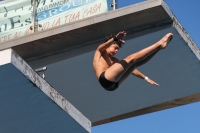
<point x="75" y="79"/>
<point x="29" y="104"/>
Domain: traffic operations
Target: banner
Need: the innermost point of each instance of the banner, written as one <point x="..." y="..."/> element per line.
<point x="16" y="16"/>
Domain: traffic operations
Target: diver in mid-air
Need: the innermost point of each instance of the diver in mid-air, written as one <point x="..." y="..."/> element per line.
<point x="111" y="72"/>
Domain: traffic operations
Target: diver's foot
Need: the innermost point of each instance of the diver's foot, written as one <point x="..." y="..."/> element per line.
<point x="166" y="40"/>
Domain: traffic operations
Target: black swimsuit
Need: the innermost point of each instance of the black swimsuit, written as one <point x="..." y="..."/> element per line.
<point x="106" y="84"/>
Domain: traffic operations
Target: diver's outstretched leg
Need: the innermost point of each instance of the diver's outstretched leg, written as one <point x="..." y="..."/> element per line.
<point x="136" y="65"/>
<point x="149" y="50"/>
<point x="126" y="66"/>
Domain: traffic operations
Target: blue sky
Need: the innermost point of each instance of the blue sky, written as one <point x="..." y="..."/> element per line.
<point x="183" y="119"/>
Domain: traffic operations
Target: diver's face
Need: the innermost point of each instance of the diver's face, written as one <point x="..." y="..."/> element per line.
<point x="113" y="49"/>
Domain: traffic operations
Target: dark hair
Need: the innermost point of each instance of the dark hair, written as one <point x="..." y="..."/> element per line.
<point x="116" y="42"/>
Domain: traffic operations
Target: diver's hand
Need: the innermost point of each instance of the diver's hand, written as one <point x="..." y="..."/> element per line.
<point x="152" y="82"/>
<point x="120" y="36"/>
